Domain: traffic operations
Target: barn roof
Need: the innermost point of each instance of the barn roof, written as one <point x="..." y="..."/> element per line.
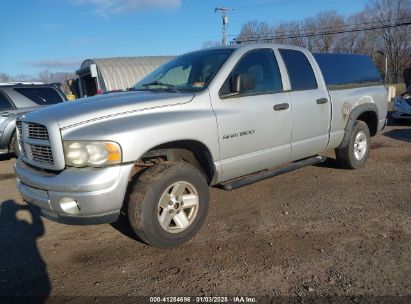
<point x="123" y="72"/>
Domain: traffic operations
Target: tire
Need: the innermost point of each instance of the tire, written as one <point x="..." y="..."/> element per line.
<point x="168" y="204"/>
<point x="355" y="154"/>
<point x="14" y="145"/>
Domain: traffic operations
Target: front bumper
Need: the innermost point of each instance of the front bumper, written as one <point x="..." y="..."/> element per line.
<point x="75" y="196"/>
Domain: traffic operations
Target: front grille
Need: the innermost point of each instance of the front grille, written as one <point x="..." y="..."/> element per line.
<point x="35" y="147"/>
<point x="41" y="154"/>
<point x="37" y="131"/>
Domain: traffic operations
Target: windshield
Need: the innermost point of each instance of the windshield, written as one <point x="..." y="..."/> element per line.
<point x="187" y="73"/>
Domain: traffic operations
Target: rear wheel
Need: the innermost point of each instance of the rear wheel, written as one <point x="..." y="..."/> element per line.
<point x="355" y="154"/>
<point x="168" y="204"/>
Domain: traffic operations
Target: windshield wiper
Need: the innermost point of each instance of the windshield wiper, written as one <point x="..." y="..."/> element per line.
<point x="159" y="83"/>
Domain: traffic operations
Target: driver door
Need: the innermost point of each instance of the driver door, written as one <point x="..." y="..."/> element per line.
<point x="254" y="126"/>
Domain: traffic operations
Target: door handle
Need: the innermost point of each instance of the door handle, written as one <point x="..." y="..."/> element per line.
<point x="5" y="114"/>
<point x="322" y="100"/>
<point x="281" y="106"/>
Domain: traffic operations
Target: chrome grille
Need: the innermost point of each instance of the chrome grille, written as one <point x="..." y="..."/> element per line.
<point x="34" y="143"/>
<point x="37" y="131"/>
<point x="41" y="154"/>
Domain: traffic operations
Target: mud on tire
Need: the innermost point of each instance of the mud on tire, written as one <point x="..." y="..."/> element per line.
<point x="168" y="204"/>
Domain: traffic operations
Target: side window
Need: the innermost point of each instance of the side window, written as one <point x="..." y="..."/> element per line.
<point x="263" y="67"/>
<point x="4" y="102"/>
<point x="299" y="70"/>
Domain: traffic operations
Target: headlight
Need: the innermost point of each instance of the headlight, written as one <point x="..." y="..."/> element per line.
<point x="93" y="153"/>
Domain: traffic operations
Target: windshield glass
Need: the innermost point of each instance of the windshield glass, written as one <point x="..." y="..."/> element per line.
<point x="187" y="73"/>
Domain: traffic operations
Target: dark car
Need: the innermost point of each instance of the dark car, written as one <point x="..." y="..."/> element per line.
<point x="401" y="109"/>
<point x="17" y="99"/>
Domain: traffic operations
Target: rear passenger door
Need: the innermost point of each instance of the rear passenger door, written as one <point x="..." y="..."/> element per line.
<point x="310" y="105"/>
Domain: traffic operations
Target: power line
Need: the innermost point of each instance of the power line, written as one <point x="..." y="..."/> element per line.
<point x="324" y="33"/>
<point x="303" y="31"/>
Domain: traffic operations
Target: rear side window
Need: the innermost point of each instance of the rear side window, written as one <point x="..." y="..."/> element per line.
<point x="347" y="69"/>
<point x="41" y="96"/>
<point x="299" y="70"/>
<point x="4" y="102"/>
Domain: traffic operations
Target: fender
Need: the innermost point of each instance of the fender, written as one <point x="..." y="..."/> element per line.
<point x="7" y="134"/>
<point x="355" y="113"/>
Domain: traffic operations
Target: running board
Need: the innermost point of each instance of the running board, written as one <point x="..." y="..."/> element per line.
<point x="251" y="179"/>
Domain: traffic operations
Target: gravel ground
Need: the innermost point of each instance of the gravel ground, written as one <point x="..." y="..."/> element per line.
<point x="317" y="233"/>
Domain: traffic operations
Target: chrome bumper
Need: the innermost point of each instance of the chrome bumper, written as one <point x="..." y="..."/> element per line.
<point x="75" y="196"/>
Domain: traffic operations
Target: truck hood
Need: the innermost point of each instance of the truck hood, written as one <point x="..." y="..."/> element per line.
<point x="98" y="107"/>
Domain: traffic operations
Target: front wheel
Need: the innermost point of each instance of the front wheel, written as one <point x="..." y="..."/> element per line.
<point x="355" y="154"/>
<point x="168" y="204"/>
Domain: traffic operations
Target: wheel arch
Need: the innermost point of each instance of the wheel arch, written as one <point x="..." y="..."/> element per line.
<point x="367" y="113"/>
<point x="191" y="151"/>
<point x="7" y="134"/>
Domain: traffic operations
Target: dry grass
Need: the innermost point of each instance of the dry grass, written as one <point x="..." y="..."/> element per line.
<point x="399" y="88"/>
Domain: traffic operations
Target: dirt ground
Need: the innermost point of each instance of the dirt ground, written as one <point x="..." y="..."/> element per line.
<point x="320" y="232"/>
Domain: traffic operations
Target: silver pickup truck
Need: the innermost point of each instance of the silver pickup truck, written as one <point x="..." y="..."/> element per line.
<point x="225" y="116"/>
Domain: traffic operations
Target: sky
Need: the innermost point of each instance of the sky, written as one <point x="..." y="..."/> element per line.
<point x="57" y="35"/>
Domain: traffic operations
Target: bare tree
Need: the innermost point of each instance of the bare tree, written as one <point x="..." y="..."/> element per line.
<point x="280" y="31"/>
<point x="4" y="77"/>
<point x="255" y="32"/>
<point x="295" y="29"/>
<point x="396" y="40"/>
<point x="210" y="44"/>
<point x="308" y="33"/>
<point x="309" y="28"/>
<point x="57" y="77"/>
<point x="22" y="77"/>
<point x="44" y="76"/>
<point x="327" y="23"/>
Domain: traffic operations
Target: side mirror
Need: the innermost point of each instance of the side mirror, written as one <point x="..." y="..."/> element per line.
<point x="242" y="82"/>
<point x="238" y="84"/>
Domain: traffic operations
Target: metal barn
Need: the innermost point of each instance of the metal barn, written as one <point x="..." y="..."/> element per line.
<point x="109" y="74"/>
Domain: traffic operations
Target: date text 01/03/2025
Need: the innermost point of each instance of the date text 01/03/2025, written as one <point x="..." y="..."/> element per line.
<point x="203" y="299"/>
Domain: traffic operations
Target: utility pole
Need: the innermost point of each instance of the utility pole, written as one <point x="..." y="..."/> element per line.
<point x="386" y="65"/>
<point x="223" y="11"/>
